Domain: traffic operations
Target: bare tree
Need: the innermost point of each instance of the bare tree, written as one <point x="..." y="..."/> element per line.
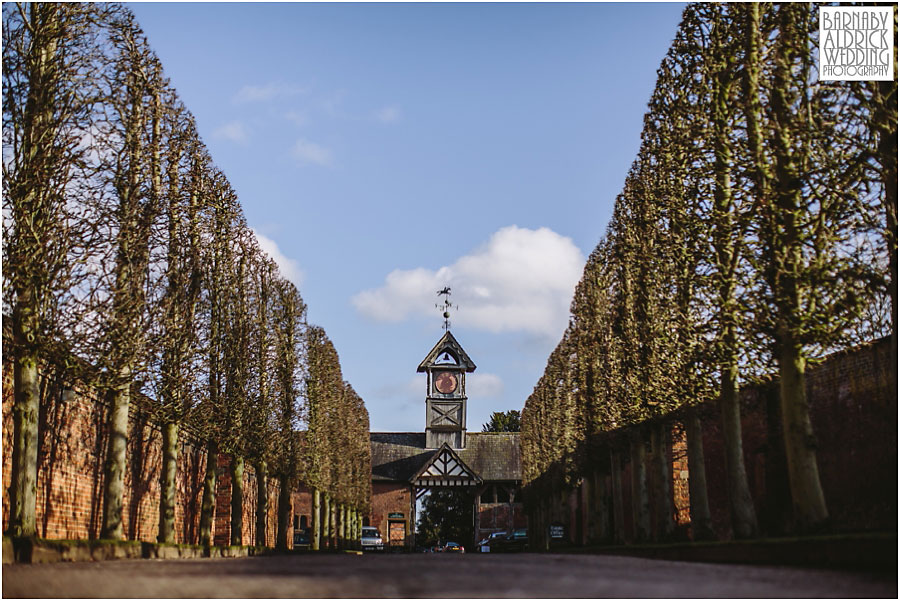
<point x="46" y="107"/>
<point x="179" y="342"/>
<point x="129" y="210"/>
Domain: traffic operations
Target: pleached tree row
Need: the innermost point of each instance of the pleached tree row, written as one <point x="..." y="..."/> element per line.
<point x="338" y="457"/>
<point x="129" y="267"/>
<point x="756" y="232"/>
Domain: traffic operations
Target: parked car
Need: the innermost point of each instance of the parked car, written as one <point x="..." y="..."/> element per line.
<point x="452" y="547"/>
<point x="484" y="545"/>
<point x="371" y="539"/>
<point x="301" y="538"/>
<point x="517" y="540"/>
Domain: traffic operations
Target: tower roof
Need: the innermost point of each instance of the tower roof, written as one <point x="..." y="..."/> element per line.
<point x="447" y="343"/>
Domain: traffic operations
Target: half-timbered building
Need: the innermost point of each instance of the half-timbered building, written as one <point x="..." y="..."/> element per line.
<point x="405" y="465"/>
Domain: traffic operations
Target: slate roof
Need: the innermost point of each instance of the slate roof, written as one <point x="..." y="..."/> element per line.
<point x="398" y="456"/>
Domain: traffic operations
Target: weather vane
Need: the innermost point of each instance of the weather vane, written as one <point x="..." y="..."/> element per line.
<point x="445" y="306"/>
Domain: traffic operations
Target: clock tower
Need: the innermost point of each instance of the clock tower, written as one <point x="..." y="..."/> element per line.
<point x="446" y="367"/>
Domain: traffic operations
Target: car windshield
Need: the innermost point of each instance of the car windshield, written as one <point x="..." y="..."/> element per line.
<point x="370" y="532"/>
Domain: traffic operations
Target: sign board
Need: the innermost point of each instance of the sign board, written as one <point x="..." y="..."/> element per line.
<point x="557" y="531"/>
<point x="395" y="515"/>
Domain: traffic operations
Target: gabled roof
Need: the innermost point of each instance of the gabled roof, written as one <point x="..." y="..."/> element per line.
<point x="447" y="343"/>
<point x="445" y="468"/>
<point x="398" y="456"/>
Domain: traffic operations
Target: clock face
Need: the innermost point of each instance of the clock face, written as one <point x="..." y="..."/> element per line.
<point x="445" y="382"/>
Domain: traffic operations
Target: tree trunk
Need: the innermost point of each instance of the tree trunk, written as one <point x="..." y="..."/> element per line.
<point x="114" y="469"/>
<point x="326" y="522"/>
<point x="588" y="508"/>
<point x="23" y="489"/>
<point x="237" y="500"/>
<point x="34" y="217"/>
<point x="208" y="505"/>
<point x="284" y="512"/>
<point x="728" y="240"/>
<point x="786" y="245"/>
<point x="662" y="505"/>
<point x="810" y="511"/>
<point x="167" y="483"/>
<point x="338" y="527"/>
<point x="332" y="525"/>
<point x="701" y="518"/>
<point x="617" y="500"/>
<point x="545" y="524"/>
<point x="743" y="513"/>
<point x="640" y="500"/>
<point x="262" y="502"/>
<point x="351" y="528"/>
<point x="601" y="501"/>
<point x="315" y="539"/>
<point x="342" y="542"/>
<point x="348" y="529"/>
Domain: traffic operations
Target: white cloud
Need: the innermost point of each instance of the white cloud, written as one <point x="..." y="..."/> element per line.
<point x="267" y="92"/>
<point x="484" y="386"/>
<point x="310" y="152"/>
<point x="520" y="280"/>
<point x="234" y="131"/>
<point x="388" y="114"/>
<point x="289" y="268"/>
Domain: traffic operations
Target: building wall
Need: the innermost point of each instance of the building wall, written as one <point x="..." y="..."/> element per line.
<point x="72" y="443"/>
<point x="301" y="499"/>
<point x="393" y="497"/>
<point x="248" y="507"/>
<point x="853" y="405"/>
<point x="495" y="514"/>
<point x="499" y="517"/>
<point x="854" y="416"/>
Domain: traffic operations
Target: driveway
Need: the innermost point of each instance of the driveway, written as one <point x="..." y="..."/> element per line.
<point x="435" y="576"/>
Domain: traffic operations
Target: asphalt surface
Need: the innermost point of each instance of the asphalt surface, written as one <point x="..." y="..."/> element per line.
<point x="435" y="576"/>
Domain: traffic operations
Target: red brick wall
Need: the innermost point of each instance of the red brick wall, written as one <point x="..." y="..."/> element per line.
<point x="388" y="497"/>
<point x="301" y="500"/>
<point x="493" y="517"/>
<point x="302" y="504"/>
<point x="680" y="475"/>
<point x="222" y="534"/>
<point x="853" y="406"/>
<point x="854" y="416"/>
<point x="72" y="449"/>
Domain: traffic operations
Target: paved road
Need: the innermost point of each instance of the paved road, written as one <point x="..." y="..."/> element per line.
<point x="434" y="576"/>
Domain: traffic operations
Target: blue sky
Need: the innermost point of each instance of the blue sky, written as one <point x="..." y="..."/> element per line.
<point x="383" y="151"/>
